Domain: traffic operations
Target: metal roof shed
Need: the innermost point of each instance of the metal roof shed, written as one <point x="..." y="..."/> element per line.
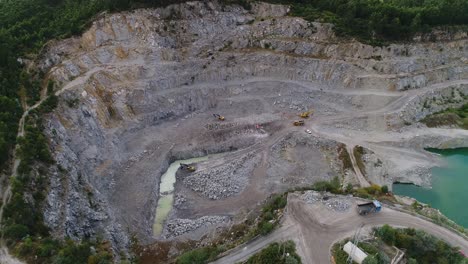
<point x="356" y="253"/>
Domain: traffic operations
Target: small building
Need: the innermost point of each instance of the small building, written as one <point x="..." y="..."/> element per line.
<point x="356" y="253"/>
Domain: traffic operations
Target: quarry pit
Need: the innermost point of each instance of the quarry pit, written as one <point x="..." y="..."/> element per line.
<point x="138" y="91"/>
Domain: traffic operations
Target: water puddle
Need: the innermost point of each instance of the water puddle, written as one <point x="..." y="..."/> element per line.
<point x="166" y="193"/>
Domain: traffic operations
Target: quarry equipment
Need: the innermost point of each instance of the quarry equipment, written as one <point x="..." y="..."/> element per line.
<point x="306" y="114"/>
<point x="367" y="208"/>
<point x="187" y="167"/>
<point x="219" y="117"/>
<point x="298" y="123"/>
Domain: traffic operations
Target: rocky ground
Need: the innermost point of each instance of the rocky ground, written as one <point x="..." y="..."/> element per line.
<point x="138" y="90"/>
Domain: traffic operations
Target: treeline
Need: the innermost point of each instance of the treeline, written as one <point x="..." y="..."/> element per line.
<point x="377" y="21"/>
<point x="25" y="26"/>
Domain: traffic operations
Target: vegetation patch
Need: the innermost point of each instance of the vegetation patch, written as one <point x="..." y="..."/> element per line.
<point x="343" y="155"/>
<point x="453" y="117"/>
<point x="359" y="152"/>
<point x="372" y="192"/>
<point x="333" y="186"/>
<point x="199" y="255"/>
<point x="378" y="22"/>
<point x="278" y="253"/>
<point x="373" y="248"/>
<point x="420" y="246"/>
<point x="436" y="216"/>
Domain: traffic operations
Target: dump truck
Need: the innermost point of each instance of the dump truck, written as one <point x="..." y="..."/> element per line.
<point x="187" y="167"/>
<point x="298" y="123"/>
<point x="368" y="208"/>
<point x="219" y="117"/>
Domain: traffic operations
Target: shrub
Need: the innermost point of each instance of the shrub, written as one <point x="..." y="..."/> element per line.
<point x="198" y="256"/>
<point x="16" y="231"/>
<point x="278" y="253"/>
<point x="384" y="189"/>
<point x="388" y="234"/>
<point x="266" y="228"/>
<point x="333" y="186"/>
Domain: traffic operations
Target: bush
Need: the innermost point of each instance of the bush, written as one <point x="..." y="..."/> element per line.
<point x="384" y="189"/>
<point x="388" y="234"/>
<point x="73" y="253"/>
<point x="266" y="228"/>
<point x="333" y="186"/>
<point x="420" y="245"/>
<point x="16" y="231"/>
<point x="199" y="256"/>
<point x="370" y="260"/>
<point x="276" y="253"/>
<point x="267" y="221"/>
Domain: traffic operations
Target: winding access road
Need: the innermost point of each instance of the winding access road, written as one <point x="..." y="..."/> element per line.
<point x="315" y="228"/>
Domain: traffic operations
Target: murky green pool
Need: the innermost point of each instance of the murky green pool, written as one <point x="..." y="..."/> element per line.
<point x="449" y="192"/>
<point x="166" y="189"/>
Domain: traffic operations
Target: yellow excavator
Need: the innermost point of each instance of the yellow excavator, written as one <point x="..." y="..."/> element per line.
<point x="187" y="167"/>
<point x="220" y="117"/>
<point x="306" y="114"/>
<point x="298" y="123"/>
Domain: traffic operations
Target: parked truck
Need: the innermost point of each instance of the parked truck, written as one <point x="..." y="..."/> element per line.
<point x="368" y="208"/>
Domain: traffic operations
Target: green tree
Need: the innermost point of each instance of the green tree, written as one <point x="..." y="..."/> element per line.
<point x="370" y="260"/>
<point x="384" y="189"/>
<point x="388" y="234"/>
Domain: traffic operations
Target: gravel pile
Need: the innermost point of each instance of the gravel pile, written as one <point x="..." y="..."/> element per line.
<point x="335" y="203"/>
<point x="223" y="181"/>
<point x="178" y="227"/>
<point x="180" y="201"/>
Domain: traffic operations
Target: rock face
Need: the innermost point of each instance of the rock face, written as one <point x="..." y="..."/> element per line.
<point x="137" y="89"/>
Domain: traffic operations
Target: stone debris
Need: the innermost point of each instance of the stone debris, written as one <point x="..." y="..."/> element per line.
<point x="180" y="201"/>
<point x="178" y="227"/>
<point x="225" y="180"/>
<point x="332" y="202"/>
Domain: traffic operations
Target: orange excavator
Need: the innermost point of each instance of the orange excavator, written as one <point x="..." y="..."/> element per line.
<point x="306" y="114"/>
<point x="219" y="117"/>
<point x="187" y="167"/>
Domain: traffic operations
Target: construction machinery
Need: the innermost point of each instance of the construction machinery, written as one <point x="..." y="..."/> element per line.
<point x="298" y="123"/>
<point x="371" y="207"/>
<point x="219" y="117"/>
<point x="187" y="167"/>
<point x="306" y="114"/>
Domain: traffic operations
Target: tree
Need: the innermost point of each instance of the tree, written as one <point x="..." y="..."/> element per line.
<point x="384" y="189"/>
<point x="370" y="260"/>
<point x="388" y="234"/>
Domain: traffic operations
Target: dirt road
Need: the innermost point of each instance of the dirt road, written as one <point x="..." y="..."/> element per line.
<point x="315" y="229"/>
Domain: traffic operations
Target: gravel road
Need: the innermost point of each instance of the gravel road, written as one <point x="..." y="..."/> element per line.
<point x="315" y="229"/>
